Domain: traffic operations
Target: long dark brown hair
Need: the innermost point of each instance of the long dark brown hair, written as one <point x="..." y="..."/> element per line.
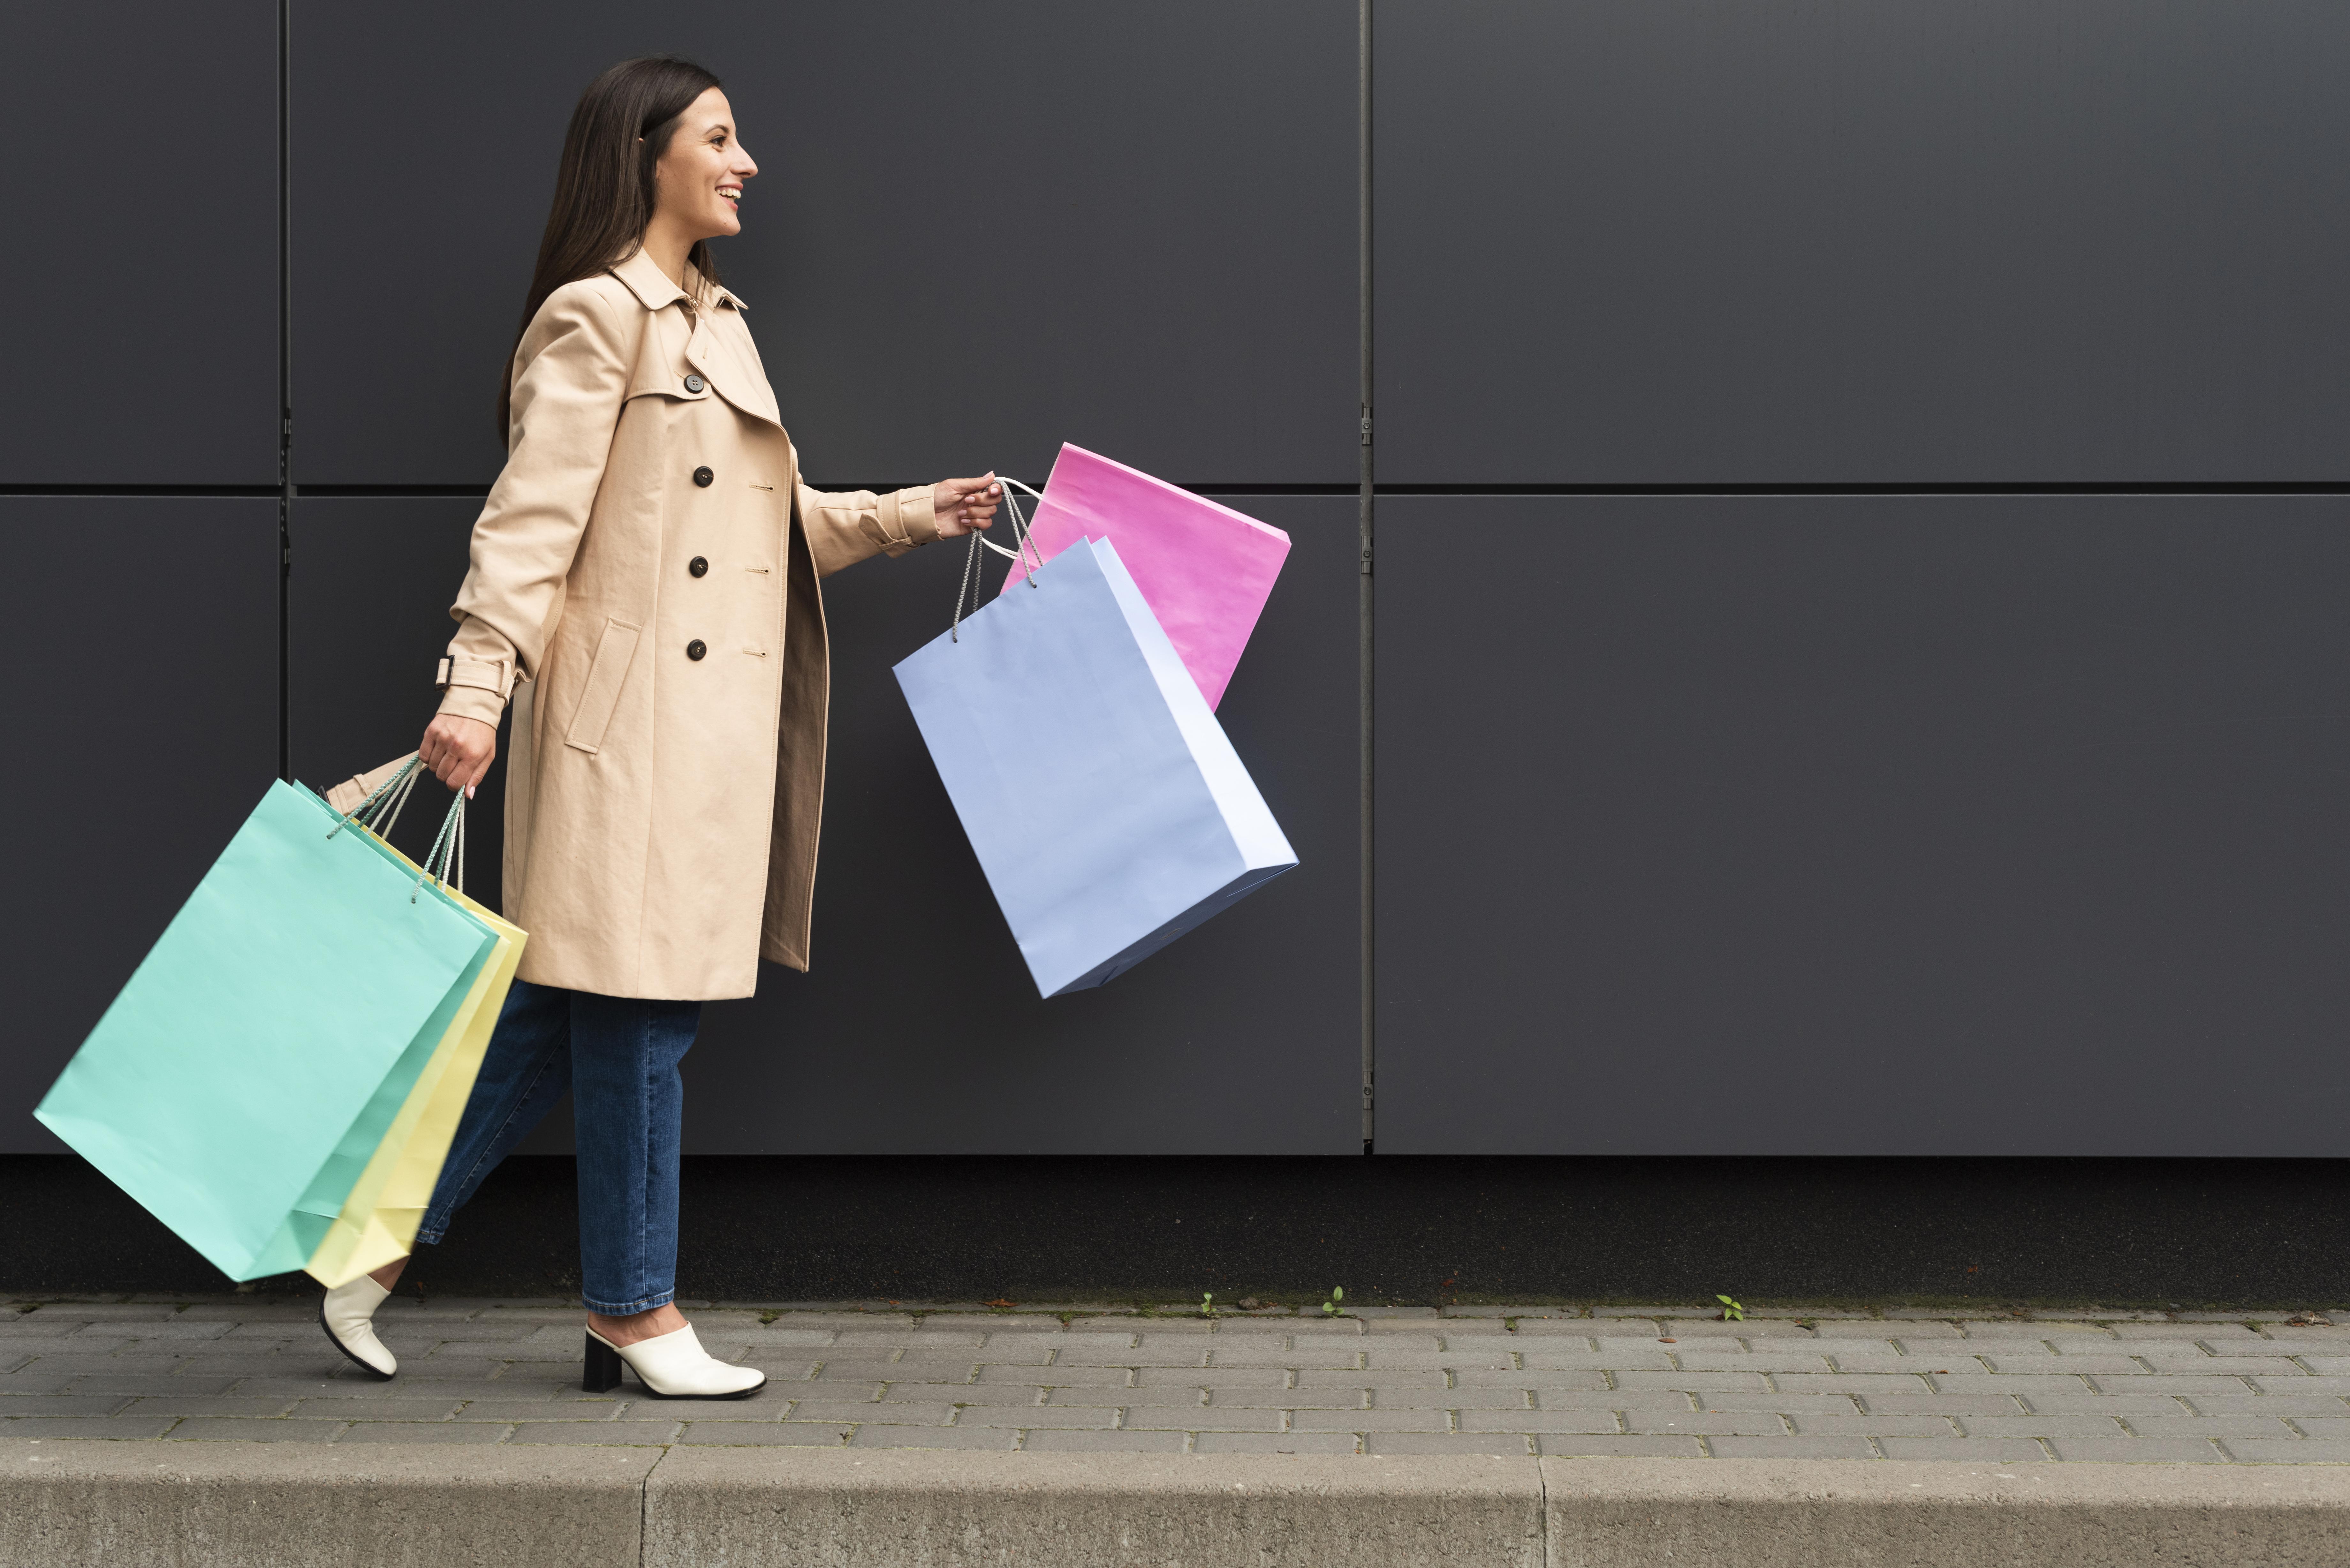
<point x="604" y="189"/>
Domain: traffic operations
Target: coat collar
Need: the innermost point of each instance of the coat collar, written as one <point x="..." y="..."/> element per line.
<point x="651" y="286"/>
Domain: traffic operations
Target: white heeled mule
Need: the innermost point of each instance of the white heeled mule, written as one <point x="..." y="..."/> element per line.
<point x="670" y="1365"/>
<point x="348" y="1316"/>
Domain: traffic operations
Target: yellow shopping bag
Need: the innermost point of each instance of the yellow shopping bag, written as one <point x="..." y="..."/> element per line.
<point x="378" y="1220"/>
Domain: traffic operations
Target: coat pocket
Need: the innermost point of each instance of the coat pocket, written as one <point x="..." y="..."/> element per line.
<point x="605" y="673"/>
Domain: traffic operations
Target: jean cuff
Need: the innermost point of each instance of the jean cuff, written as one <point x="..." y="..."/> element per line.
<point x="627" y="1309"/>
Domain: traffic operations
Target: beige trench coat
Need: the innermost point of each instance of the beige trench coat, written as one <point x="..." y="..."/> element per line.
<point x="643" y="587"/>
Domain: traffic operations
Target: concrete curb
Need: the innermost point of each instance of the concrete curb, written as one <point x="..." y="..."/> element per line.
<point x="287" y="1506"/>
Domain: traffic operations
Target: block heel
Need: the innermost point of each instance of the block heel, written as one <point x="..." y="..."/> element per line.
<point x="602" y="1373"/>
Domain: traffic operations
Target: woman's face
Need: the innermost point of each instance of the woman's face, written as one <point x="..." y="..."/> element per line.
<point x="698" y="184"/>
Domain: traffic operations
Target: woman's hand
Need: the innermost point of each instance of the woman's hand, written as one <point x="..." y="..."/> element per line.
<point x="459" y="750"/>
<point x="962" y="504"/>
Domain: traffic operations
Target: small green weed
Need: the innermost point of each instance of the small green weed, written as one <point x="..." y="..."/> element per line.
<point x="1208" y="1303"/>
<point x="1731" y="1310"/>
<point x="1333" y="1306"/>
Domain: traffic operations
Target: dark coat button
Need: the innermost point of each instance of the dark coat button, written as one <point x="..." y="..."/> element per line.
<point x="694" y="383"/>
<point x="703" y="477"/>
<point x="699" y="565"/>
<point x="696" y="648"/>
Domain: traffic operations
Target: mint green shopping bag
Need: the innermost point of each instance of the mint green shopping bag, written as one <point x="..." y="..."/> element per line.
<point x="240" y="1082"/>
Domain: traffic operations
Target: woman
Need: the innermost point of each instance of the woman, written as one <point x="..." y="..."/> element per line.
<point x="643" y="588"/>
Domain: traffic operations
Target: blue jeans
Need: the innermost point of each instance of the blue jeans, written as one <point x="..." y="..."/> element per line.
<point x="618" y="1056"/>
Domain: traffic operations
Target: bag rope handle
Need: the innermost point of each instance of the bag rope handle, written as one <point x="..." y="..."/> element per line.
<point x="1028" y="548"/>
<point x="379" y="813"/>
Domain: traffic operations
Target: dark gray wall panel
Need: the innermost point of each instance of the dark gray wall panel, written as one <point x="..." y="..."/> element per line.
<point x="143" y="722"/>
<point x="1713" y="241"/>
<point x="368" y="618"/>
<point x="977" y="230"/>
<point x="141" y="335"/>
<point x="918" y="1030"/>
<point x="1864" y="826"/>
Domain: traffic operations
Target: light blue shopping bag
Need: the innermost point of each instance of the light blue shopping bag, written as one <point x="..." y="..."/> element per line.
<point x="240" y="1082"/>
<point x="1107" y="809"/>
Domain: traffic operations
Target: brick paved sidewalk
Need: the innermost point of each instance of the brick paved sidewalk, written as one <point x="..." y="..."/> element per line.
<point x="1473" y="1381"/>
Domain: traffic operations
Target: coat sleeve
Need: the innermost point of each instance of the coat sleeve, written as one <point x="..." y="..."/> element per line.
<point x="846" y="526"/>
<point x="570" y="380"/>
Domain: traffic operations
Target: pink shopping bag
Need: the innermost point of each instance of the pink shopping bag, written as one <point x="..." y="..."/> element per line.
<point x="1205" y="570"/>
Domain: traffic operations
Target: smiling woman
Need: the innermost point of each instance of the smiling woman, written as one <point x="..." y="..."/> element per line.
<point x="644" y="591"/>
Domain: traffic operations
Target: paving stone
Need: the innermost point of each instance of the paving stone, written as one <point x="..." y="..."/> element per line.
<point x="1163" y="1398"/>
<point x="2039" y="1427"/>
<point x="1739" y="1423"/>
<point x="1615" y="1399"/>
<point x="137" y="1383"/>
<point x="2289" y="1406"/>
<point x="1561" y="1328"/>
<point x="2123" y="1404"/>
<point x="2219" y="1426"/>
<point x="1337" y="1399"/>
<point x="221" y="1405"/>
<point x="438" y="1368"/>
<point x="1784" y="1404"/>
<point x="1528" y="1377"/>
<point x="2021" y="1383"/>
<point x="1653" y="1358"/>
<point x="1958" y="1405"/>
<point x="2138" y="1450"/>
<point x="317" y="1387"/>
<point x="1058" y="1376"/>
<point x="423" y="1432"/>
<point x="1369" y="1421"/>
<point x="1582" y="1446"/>
<point x="35" y="1331"/>
<point x="1711" y="1361"/>
<point x="1273" y="1443"/>
<point x="2297" y="1450"/>
<point x="1695" y="1382"/>
<point x="1878" y="1426"/>
<point x="578" y="1433"/>
<point x="2032" y="1329"/>
<point x="515" y="1350"/>
<point x="1437" y="1400"/>
<point x="2231" y="1366"/>
<point x="2212" y="1331"/>
<point x="2174" y="1384"/>
<point x="513" y="1410"/>
<point x="20" y="1405"/>
<point x="1240" y="1355"/>
<point x="896" y="1394"/>
<point x="1215" y="1418"/>
<point x="113" y="1311"/>
<point x="2337" y="1386"/>
<point x="1397" y="1377"/>
<point x="1529" y="1421"/>
<point x="873" y="1435"/>
<point x="1131" y="1441"/>
<point x="1907" y="1330"/>
<point x="1160" y="1353"/>
<point x="1001" y="1416"/>
<point x="1978" y="1451"/>
<point x="228" y="1428"/>
<point x="2001" y="1364"/>
<point x="1513" y="1444"/>
<point x="1764" y="1447"/>
<point x="1463" y="1344"/>
<point x="766" y="1434"/>
<point x="2313" y="1426"/>
<point x="171" y="1330"/>
<point x="792" y="1339"/>
<point x="905" y="1412"/>
<point x="87" y="1425"/>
